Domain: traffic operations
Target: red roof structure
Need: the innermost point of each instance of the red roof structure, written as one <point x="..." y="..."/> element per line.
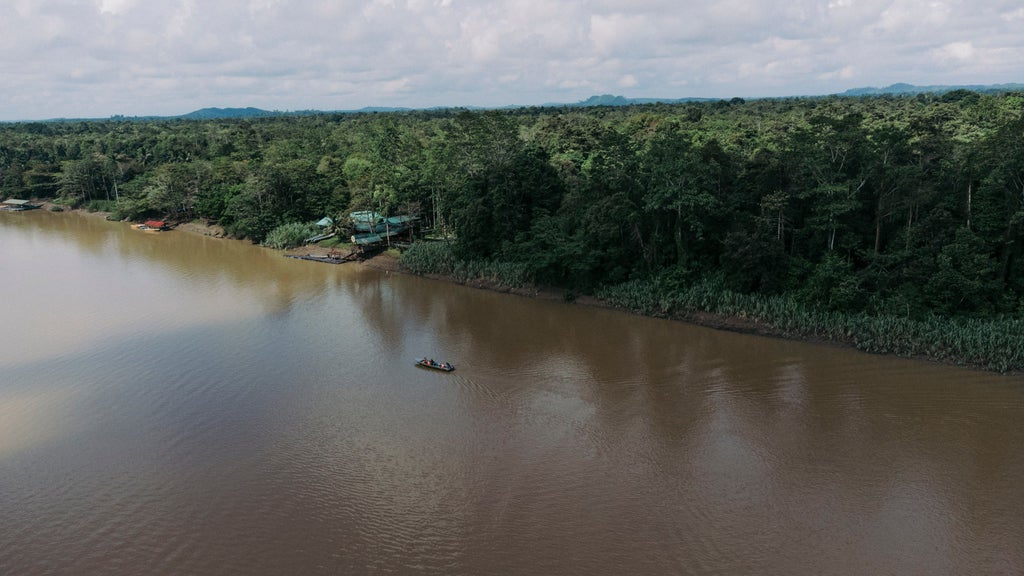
<point x="155" y="224"/>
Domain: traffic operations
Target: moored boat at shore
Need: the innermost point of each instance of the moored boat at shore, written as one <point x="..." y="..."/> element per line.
<point x="16" y="205"/>
<point x="153" y="225"/>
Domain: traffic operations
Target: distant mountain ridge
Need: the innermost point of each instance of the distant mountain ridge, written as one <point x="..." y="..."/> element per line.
<point x="618" y="100"/>
<point x="250" y="112"/>
<point x="910" y="89"/>
<point x="610" y="100"/>
<point x="218" y="113"/>
<point x="900" y="89"/>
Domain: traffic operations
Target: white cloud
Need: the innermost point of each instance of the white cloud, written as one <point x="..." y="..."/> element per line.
<point x="70" y="58"/>
<point x="610" y="33"/>
<point x="1013" y="16"/>
<point x="178" y="25"/>
<point x="115" y="6"/>
<point x="960" y="51"/>
<point x="844" y="73"/>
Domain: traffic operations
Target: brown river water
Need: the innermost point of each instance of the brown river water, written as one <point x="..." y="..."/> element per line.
<point x="177" y="404"/>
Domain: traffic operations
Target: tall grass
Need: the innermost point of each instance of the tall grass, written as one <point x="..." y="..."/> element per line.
<point x="509" y="274"/>
<point x="993" y="343"/>
<point x="100" y="206"/>
<point x="437" y="258"/>
<point x="290" y="235"/>
<point x="428" y="258"/>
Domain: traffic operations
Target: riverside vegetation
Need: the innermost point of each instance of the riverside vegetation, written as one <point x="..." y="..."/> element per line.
<point x="895" y="224"/>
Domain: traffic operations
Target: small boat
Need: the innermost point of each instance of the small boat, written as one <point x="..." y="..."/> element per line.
<point x="15" y="205"/>
<point x="155" y="225"/>
<point x="435" y="365"/>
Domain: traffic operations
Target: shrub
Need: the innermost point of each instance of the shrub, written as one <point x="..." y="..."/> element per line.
<point x="290" y="235"/>
<point x="428" y="258"/>
<point x="100" y="206"/>
<point x="995" y="343"/>
<point x="437" y="258"/>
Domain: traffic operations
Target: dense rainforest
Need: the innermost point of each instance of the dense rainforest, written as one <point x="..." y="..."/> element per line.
<point x="894" y="222"/>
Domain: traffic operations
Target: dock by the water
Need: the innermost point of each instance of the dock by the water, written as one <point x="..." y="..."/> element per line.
<point x="334" y="257"/>
<point x="327" y="259"/>
<point x="16" y="205"/>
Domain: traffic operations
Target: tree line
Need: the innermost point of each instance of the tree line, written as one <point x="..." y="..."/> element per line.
<point x="905" y="205"/>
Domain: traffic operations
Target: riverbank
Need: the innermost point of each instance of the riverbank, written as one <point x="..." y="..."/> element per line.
<point x="389" y="262"/>
<point x="991" y="344"/>
<point x="219" y="357"/>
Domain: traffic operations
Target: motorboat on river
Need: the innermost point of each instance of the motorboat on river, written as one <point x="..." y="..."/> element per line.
<point x="431" y="363"/>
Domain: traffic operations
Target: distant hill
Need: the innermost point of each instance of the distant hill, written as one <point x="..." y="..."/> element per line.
<point x="218" y="113"/>
<point x="611" y="100"/>
<point x="605" y="100"/>
<point x="228" y="113"/>
<point x="250" y="112"/>
<point x="910" y="89"/>
<point x="597" y="100"/>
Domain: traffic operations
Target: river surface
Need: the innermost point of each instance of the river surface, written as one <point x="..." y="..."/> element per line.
<point x="177" y="404"/>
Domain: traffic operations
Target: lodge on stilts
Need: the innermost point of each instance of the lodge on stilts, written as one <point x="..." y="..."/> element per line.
<point x="371" y="232"/>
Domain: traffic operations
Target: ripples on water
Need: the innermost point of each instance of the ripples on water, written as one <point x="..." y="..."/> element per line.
<point x="171" y="404"/>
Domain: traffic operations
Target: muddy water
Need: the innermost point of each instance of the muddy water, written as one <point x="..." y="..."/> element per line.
<point x="174" y="404"/>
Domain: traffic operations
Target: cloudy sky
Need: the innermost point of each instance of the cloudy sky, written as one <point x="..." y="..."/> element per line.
<point x="97" y="58"/>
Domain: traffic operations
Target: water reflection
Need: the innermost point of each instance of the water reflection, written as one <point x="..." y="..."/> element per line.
<point x="206" y="406"/>
<point x="98" y="279"/>
<point x="762" y="438"/>
<point x="192" y="258"/>
<point x="29" y="418"/>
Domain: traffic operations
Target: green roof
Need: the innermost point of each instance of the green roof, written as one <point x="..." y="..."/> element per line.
<point x="364" y="239"/>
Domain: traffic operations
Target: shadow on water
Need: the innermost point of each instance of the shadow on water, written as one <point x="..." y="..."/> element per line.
<point x="173" y="255"/>
<point x="261" y="415"/>
<point x="738" y="437"/>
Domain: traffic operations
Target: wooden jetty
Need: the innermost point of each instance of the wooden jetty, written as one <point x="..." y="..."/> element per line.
<point x="16" y="205"/>
<point x="332" y="257"/>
